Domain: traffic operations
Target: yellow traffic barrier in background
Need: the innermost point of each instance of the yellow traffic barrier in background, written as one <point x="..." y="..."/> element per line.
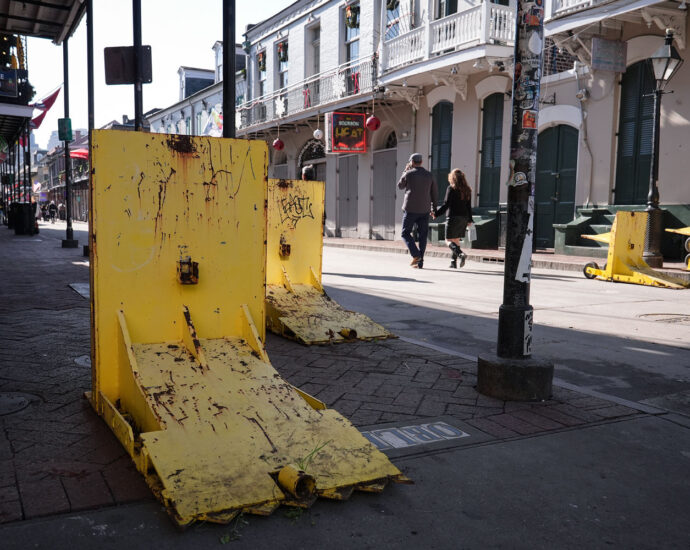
<point x="624" y="261"/>
<point x="296" y="304"/>
<point x="180" y="373"/>
<point x="685" y="231"/>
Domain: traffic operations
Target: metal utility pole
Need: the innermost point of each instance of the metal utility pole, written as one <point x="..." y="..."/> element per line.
<point x="513" y="374"/>
<point x="229" y="68"/>
<point x="68" y="241"/>
<point x="138" y="84"/>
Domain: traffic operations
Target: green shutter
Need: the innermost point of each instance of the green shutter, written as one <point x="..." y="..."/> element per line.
<point x="635" y="135"/>
<point x="492" y="137"/>
<point x="441" y="142"/>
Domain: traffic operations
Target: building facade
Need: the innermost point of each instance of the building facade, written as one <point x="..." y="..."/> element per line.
<point x="438" y="76"/>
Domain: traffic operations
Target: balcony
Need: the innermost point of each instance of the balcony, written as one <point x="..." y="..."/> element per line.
<point x="564" y="7"/>
<point x="350" y="79"/>
<point x="486" y="23"/>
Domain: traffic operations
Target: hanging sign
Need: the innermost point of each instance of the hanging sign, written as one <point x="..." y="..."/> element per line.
<point x="347" y="132"/>
<point x="609" y="55"/>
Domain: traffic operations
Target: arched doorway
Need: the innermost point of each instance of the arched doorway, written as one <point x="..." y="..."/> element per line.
<point x="384" y="189"/>
<point x="492" y="139"/>
<point x="441" y="143"/>
<point x="313" y="153"/>
<point x="555" y="182"/>
<point x="636" y="123"/>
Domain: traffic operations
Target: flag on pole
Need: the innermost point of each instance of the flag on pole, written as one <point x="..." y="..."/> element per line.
<point x="44" y="106"/>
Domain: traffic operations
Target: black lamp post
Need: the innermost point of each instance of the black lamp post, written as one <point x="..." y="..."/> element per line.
<point x="664" y="63"/>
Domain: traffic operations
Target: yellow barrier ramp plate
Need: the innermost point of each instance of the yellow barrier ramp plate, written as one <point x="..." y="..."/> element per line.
<point x="296" y="305"/>
<point x="229" y="426"/>
<point x="311" y="317"/>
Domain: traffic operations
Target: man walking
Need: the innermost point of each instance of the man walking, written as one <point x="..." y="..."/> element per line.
<point x="421" y="195"/>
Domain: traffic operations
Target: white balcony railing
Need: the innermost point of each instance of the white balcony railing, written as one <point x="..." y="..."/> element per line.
<point x="405" y="48"/>
<point x="349" y="79"/>
<point x="456" y="30"/>
<point x="486" y="23"/>
<point x="563" y="7"/>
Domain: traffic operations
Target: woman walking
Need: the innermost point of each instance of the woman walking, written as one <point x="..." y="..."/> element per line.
<point x="459" y="207"/>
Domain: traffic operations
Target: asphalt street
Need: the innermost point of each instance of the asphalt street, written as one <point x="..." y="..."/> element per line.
<point x="629" y="341"/>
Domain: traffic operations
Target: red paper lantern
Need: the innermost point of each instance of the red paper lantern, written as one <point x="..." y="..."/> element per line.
<point x="278" y="144"/>
<point x="373" y="123"/>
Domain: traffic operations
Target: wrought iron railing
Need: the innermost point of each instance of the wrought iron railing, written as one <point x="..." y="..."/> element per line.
<point x="349" y="79"/>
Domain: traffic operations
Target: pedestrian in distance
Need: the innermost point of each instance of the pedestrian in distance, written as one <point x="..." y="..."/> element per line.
<point x="420" y="199"/>
<point x="458" y="203"/>
<point x="52" y="211"/>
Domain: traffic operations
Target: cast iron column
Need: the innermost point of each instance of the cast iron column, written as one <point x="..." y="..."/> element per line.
<point x="138" y="100"/>
<point x="229" y="68"/>
<point x="512" y="374"/>
<point x="68" y="241"/>
<point x="653" y="235"/>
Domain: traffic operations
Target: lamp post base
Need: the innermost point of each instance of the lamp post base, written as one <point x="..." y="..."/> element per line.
<point x="70" y="243"/>
<point x="514" y="379"/>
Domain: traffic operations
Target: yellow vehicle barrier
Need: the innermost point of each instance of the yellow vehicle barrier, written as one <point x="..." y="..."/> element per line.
<point x="624" y="262"/>
<point x="180" y="373"/>
<point x="296" y="304"/>
<point x="685" y="231"/>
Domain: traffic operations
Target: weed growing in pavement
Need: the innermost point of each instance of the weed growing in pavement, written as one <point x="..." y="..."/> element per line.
<point x="235" y="526"/>
<point x="304" y="463"/>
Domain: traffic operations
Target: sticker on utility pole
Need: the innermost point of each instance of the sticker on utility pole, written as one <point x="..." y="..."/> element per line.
<point x="523" y="272"/>
<point x="527" y="334"/>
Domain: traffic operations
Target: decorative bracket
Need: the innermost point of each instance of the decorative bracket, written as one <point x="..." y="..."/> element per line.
<point x="458" y="83"/>
<point x="665" y="18"/>
<point x="411" y="95"/>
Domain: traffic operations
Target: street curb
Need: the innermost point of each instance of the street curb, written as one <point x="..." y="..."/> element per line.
<point x="443" y="253"/>
<point x="647" y="409"/>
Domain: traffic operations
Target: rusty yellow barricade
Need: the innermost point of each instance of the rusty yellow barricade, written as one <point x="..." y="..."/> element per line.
<point x="296" y="305"/>
<point x="685" y="231"/>
<point x="624" y="262"/>
<point x="180" y="374"/>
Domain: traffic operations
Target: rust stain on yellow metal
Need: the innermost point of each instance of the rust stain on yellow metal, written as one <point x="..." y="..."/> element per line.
<point x="180" y="372"/>
<point x="296" y="304"/>
<point x="624" y="261"/>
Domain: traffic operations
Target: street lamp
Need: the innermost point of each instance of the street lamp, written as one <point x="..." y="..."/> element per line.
<point x="664" y="63"/>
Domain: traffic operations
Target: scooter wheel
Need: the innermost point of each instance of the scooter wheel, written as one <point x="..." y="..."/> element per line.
<point x="593" y="265"/>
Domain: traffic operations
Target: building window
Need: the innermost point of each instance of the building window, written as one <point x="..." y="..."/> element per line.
<point x="446" y="8"/>
<point x="352" y="33"/>
<point x="316" y="50"/>
<point x="188" y="125"/>
<point x="282" y="73"/>
<point x="392" y="20"/>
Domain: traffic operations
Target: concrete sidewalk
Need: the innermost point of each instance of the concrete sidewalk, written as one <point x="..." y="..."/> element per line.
<point x="577" y="471"/>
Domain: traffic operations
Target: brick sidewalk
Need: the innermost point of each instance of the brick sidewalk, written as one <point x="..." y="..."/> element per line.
<point x="57" y="456"/>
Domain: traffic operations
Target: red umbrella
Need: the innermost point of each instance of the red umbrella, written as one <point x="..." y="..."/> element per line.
<point x="79" y="154"/>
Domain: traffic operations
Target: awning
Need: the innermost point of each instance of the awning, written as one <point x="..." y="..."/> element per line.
<point x="590" y="16"/>
<point x="55" y="20"/>
<point x="79" y="154"/>
<point x="13" y="118"/>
